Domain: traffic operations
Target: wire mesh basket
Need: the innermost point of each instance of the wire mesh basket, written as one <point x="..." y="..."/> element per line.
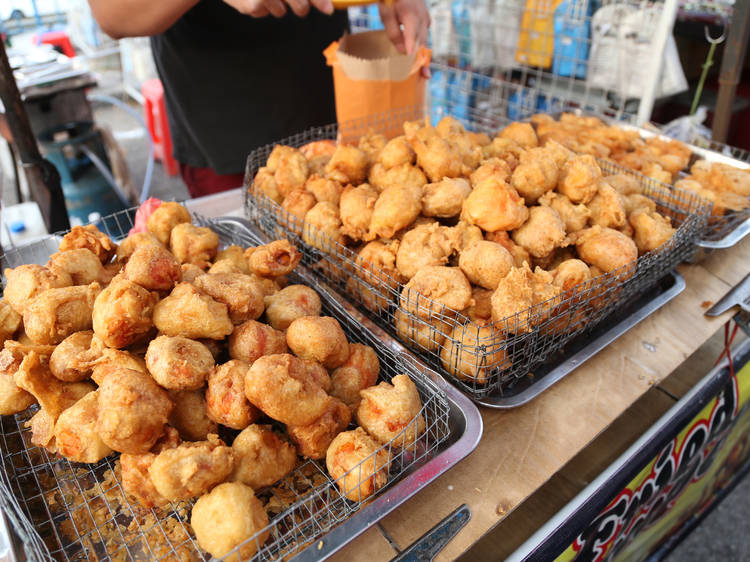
<point x="487" y="360"/>
<point x="69" y="511"/>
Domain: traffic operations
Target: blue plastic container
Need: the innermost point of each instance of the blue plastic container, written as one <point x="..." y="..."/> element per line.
<point x="572" y="23"/>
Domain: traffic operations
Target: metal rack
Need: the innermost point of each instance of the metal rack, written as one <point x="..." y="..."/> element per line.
<point x="71" y="511"/>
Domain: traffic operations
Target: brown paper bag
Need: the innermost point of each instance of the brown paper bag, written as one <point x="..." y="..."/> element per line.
<point x="371" y="77"/>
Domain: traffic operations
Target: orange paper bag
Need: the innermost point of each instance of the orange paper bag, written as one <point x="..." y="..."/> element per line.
<point x="371" y="77"/>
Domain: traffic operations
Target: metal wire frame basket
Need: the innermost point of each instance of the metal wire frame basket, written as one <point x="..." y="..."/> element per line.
<point x="69" y="511"/>
<point x="481" y="361"/>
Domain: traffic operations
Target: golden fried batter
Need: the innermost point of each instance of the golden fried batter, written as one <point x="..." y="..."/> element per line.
<point x="266" y="183"/>
<point x="12" y="398"/>
<point x="569" y="273"/>
<point x="251" y="340"/>
<point x="542" y="233"/>
<point x="194" y="244"/>
<point x="517" y="292"/>
<point x="123" y="313"/>
<point x="55" y="314"/>
<point x="418" y="333"/>
<point x="608" y="207"/>
<point x="10" y="321"/>
<point x="445" y="198"/>
<point x="262" y="458"/>
<point x="522" y="133"/>
<point x="494" y="205"/>
<point x="625" y="184"/>
<point x="371" y="143"/>
<point x="422" y="246"/>
<point x="324" y="189"/>
<point x="536" y="174"/>
<point x="76" y="437"/>
<point x="297" y="204"/>
<point x="491" y="168"/>
<point x="292" y="302"/>
<point x="289" y="167"/>
<point x="226" y="402"/>
<point x="73" y="359"/>
<point x="178" y="363"/>
<point x="153" y="267"/>
<point x="396" y="208"/>
<point x="191" y="314"/>
<point x="242" y="294"/>
<point x="651" y="230"/>
<point x="347" y="165"/>
<point x="579" y="179"/>
<point x="133" y="242"/>
<point x="404" y="175"/>
<point x="357" y="205"/>
<point x="438" y="158"/>
<point x="358" y="464"/>
<point x="323" y="227"/>
<point x="81" y="264"/>
<point x="480" y="312"/>
<point x="473" y="352"/>
<point x="396" y="152"/>
<point x="484" y="263"/>
<point x="166" y="216"/>
<point x="319" y="338"/>
<point x="605" y="248"/>
<point x="91" y="238"/>
<point x="280" y="386"/>
<point x="436" y="290"/>
<point x="189" y="416"/>
<point x="575" y="217"/>
<point x="390" y="412"/>
<point x="312" y="440"/>
<point x="376" y="263"/>
<point x="25" y="282"/>
<point x="360" y="371"/>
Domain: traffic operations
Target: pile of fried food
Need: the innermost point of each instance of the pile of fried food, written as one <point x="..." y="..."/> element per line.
<point x="463" y="223"/>
<point x="727" y="187"/>
<point x="153" y="347"/>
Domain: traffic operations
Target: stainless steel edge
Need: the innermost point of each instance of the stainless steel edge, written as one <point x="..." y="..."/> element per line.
<point x="729" y="240"/>
<point x="464" y="417"/>
<point x="734" y="297"/>
<point x="576" y="360"/>
<point x="7" y="551"/>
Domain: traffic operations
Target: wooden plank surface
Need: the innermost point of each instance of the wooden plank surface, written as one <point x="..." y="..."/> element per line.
<point x="523" y="448"/>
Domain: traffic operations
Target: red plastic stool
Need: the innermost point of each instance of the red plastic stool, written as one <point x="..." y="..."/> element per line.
<point x="156" y="119"/>
<point x="56" y="39"/>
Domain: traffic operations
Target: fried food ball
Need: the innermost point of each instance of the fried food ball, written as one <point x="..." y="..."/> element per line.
<point x="324" y="189"/>
<point x="484" y="263"/>
<point x="445" y="198"/>
<point x="360" y="371"/>
<point x="164" y="218"/>
<point x="438" y="158"/>
<point x="191" y="469"/>
<point x="358" y="464"/>
<point x="390" y="412"/>
<point x="12" y="398"/>
<point x="252" y="340"/>
<point x="194" y="244"/>
<point x="521" y="133"/>
<point x="76" y="437"/>
<point x="519" y="253"/>
<point x="636" y="201"/>
<point x="464" y="235"/>
<point x="290" y="168"/>
<point x="136" y="481"/>
<point x="418" y="333"/>
<point x="569" y="273"/>
<point x="133" y="410"/>
<point x="575" y="217"/>
<point x="178" y="363"/>
<point x="189" y="416"/>
<point x="579" y="179"/>
<point x="434" y="289"/>
<point x="396" y="208"/>
<point x="10" y="321"/>
<point x="376" y="275"/>
<point x="404" y="175"/>
<point x="191" y="314"/>
<point x="494" y="205"/>
<point x="536" y="174"/>
<point x="323" y="227"/>
<point x="396" y="152"/>
<point x="517" y="292"/>
<point x="111" y="360"/>
<point x="605" y="248"/>
<point x="133" y="242"/>
<point x="280" y="386"/>
<point x="347" y="165"/>
<point x="473" y="352"/>
<point x="312" y="441"/>
<point x="608" y="207"/>
<point x="91" y="238"/>
<point x="494" y="168"/>
<point x="480" y="312"/>
<point x="422" y="246"/>
<point x="236" y="255"/>
<point x="504" y="149"/>
<point x="72" y="360"/>
<point x="357" y="205"/>
<point x="123" y="312"/>
<point x="153" y="267"/>
<point x="542" y="233"/>
<point x="226" y="402"/>
<point x="292" y="302"/>
<point x="55" y="314"/>
<point x="81" y="264"/>
<point x="371" y="143"/>
<point x="25" y="282"/>
<point x="651" y="230"/>
<point x="276" y="258"/>
<point x="297" y="204"/>
<point x="191" y="272"/>
<point x="227" y="517"/>
<point x="319" y="338"/>
<point x="242" y="294"/>
<point x="221" y="267"/>
<point x="471" y="155"/>
<point x="625" y="184"/>
<point x="654" y="171"/>
<point x="265" y="182"/>
<point x="262" y="458"/>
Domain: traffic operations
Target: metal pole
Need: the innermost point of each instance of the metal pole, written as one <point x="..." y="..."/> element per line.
<point x="731" y="69"/>
<point x="658" y="44"/>
<point x="42" y="176"/>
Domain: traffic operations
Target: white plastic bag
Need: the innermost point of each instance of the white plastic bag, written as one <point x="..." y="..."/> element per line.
<point x="689" y="127"/>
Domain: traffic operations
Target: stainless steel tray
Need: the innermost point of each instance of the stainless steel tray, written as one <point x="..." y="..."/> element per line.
<point x="314" y="526"/>
<point x="584" y="347"/>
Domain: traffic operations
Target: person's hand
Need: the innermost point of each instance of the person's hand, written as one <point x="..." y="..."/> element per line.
<point x="415" y="18"/>
<point x="277" y="8"/>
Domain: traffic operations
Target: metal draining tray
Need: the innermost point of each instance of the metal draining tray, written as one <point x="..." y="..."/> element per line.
<point x="55" y="509"/>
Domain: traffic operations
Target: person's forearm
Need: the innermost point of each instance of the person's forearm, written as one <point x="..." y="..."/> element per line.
<point x="134" y="18"/>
